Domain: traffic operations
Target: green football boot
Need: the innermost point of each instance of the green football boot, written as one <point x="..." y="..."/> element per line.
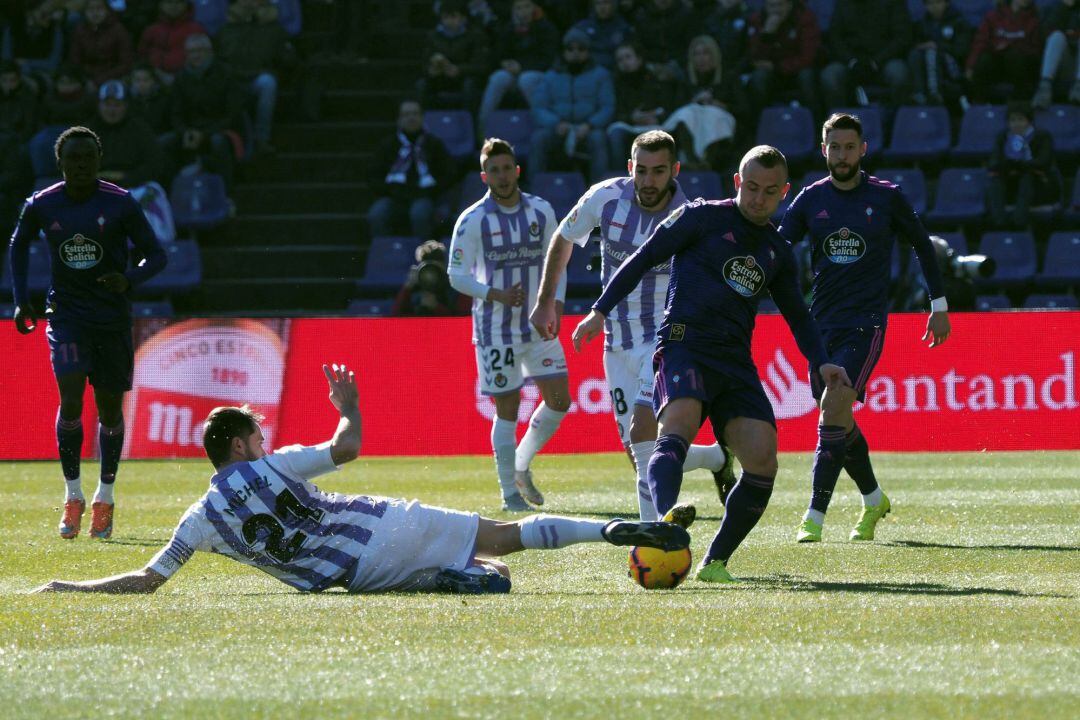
<point x="809" y="532"/>
<point x="864" y="530"/>
<point x="715" y="572"/>
<point x="682" y="515"/>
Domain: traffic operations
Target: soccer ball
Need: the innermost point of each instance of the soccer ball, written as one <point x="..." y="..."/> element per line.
<point x="655" y="569"/>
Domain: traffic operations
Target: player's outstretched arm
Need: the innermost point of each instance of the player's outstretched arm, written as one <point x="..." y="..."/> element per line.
<point x="143" y="581"/>
<point x="345" y="446"/>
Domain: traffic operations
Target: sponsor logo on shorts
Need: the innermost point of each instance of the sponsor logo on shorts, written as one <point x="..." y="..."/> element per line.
<point x="548" y="362"/>
<point x="500" y="380"/>
<point x="844" y="247"/>
<point x="80" y="252"/>
<point x="678" y="331"/>
<point x="744" y="275"/>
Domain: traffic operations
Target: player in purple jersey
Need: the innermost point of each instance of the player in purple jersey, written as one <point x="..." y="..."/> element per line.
<point x="853" y="220"/>
<point x="262" y="510"/>
<point x="87" y="224"/>
<point x="725" y="256"/>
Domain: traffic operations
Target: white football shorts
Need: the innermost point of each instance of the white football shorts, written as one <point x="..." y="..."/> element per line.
<point x="503" y="368"/>
<point x="630" y="380"/>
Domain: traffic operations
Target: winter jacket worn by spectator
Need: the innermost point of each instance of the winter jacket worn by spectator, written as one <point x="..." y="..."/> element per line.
<point x="103" y="51"/>
<point x="728" y="24"/>
<point x="1060" y="70"/>
<point x="131" y="155"/>
<point x="783" y="55"/>
<point x="868" y="43"/>
<point x="525" y="48"/>
<point x="1007" y="48"/>
<point x="456" y="62"/>
<point x="605" y="34"/>
<point x="936" y="62"/>
<point x="18" y="104"/>
<point x="1023" y="173"/>
<point x="250" y="46"/>
<point x="162" y="44"/>
<point x="663" y="26"/>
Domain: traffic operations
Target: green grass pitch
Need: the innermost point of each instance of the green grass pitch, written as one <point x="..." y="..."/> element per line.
<point x="965" y="606"/>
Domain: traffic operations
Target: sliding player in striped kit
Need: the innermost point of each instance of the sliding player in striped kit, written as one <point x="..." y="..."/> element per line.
<point x="627" y="210"/>
<point x="496" y="256"/>
<point x="262" y="510"/>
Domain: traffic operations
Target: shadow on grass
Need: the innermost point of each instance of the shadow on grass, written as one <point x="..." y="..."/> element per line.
<point x="947" y="546"/>
<point x="798" y="584"/>
<point x="142" y="542"/>
<point x="628" y="515"/>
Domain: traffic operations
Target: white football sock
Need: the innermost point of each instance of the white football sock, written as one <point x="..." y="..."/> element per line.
<point x="542" y="425"/>
<point x="642" y="451"/>
<point x="104" y="493"/>
<point x="815" y="515"/>
<point x="74" y="490"/>
<point x="550" y="532"/>
<point x="710" y="457"/>
<point x="502" y="442"/>
<point x="873" y="498"/>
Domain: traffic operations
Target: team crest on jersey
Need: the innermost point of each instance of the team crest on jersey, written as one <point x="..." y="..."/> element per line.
<point x="500" y="380"/>
<point x="534" y="229"/>
<point x="674" y="216"/>
<point x="80" y="252"/>
<point x="573" y="217"/>
<point x="844" y="247"/>
<point x="744" y="275"/>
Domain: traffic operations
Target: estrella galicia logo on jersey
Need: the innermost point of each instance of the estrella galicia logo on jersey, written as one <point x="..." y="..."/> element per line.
<point x="500" y="380"/>
<point x="744" y="275"/>
<point x="80" y="252"/>
<point x="534" y="229"/>
<point x="844" y="247"/>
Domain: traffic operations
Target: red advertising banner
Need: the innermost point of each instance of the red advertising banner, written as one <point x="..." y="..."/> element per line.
<point x="1003" y="381"/>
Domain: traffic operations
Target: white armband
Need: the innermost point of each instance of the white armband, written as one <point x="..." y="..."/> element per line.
<point x="939" y="305"/>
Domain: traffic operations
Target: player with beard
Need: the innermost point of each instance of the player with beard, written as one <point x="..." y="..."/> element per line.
<point x="853" y="220"/>
<point x="496" y="255"/>
<point x="626" y="210"/>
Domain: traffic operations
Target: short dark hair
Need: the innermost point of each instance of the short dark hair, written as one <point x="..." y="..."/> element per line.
<point x="222" y="425"/>
<point x="764" y="155"/>
<point x="73" y="133"/>
<point x="841" y="121"/>
<point x="495" y="146"/>
<point x="654" y="141"/>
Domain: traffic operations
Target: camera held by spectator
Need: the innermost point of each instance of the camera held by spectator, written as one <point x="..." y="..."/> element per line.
<point x="427" y="290"/>
<point x="958" y="271"/>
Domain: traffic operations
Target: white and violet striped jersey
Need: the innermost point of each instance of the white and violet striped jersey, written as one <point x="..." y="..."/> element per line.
<point x="265" y="513"/>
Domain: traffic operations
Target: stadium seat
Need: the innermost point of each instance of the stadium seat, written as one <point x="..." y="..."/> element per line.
<point x="872" y="124"/>
<point x="513" y="126"/>
<point x="778" y="216"/>
<point x="155" y="309"/>
<point x="919" y="134"/>
<point x="182" y="274"/>
<point x="961" y="197"/>
<point x="1061" y="264"/>
<point x="211" y="14"/>
<point x="701" y="183"/>
<point x="973" y="10"/>
<point x="454" y="128"/>
<point x="979" y="129"/>
<point x="992" y="302"/>
<point x="767" y="307"/>
<point x="1014" y="253"/>
<point x="370" y="308"/>
<point x="583" y="271"/>
<point x="39" y="271"/>
<point x="1063" y="124"/>
<point x="791" y="129"/>
<point x="824" y="10"/>
<point x="1051" y="302"/>
<point x="578" y="306"/>
<point x="912" y="182"/>
<point x="894" y="264"/>
<point x="561" y="189"/>
<point x="290" y="16"/>
<point x="199" y="201"/>
<point x="1072" y="212"/>
<point x="472" y="189"/>
<point x="956" y="241"/>
<point x="388" y="261"/>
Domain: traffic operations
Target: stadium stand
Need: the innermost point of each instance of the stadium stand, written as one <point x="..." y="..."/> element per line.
<point x="388" y="261"/>
<point x="985" y="303"/>
<point x="919" y="134"/>
<point x="513" y="126"/>
<point x="960" y="198"/>
<point x="1061" y="264"/>
<point x="1053" y="302"/>
<point x="561" y="189"/>
<point x="979" y="129"/>
<point x="702" y="183"/>
<point x="911" y="181"/>
<point x="455" y="129"/>
<point x="1014" y="253"/>
<point x="791" y="129"/>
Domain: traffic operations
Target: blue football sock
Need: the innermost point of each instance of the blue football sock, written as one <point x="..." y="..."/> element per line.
<point x="746" y="504"/>
<point x="69" y="440"/>
<point x="666" y="471"/>
<point x="828" y="461"/>
<point x="857" y="462"/>
<point x="110" y="445"/>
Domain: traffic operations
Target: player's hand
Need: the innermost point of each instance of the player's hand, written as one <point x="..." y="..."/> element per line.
<point x="544" y="318"/>
<point x="587" y="329"/>
<point x="25" y="319"/>
<point x="513" y="296"/>
<point x="53" y="586"/>
<point x="937" y="327"/>
<point x="343" y="393"/>
<point x="115" y="282"/>
<point x="834" y="375"/>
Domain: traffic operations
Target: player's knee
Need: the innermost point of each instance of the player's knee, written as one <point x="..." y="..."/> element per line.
<point x="559" y="401"/>
<point x="642" y="425"/>
<point x="836" y="406"/>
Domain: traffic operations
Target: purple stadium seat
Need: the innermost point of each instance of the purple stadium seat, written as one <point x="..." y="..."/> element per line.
<point x="388" y="261"/>
<point x="973" y="10"/>
<point x="290" y="16"/>
<point x="912" y="183"/>
<point x="199" y="201"/>
<point x="824" y="10"/>
<point x="956" y="241"/>
<point x="961" y="197"/>
<point x="873" y="126"/>
<point x="152" y="309"/>
<point x="454" y="128"/>
<point x="1072" y="211"/>
<point x="978" y="130"/>
<point x="182" y="274"/>
<point x="581" y="276"/>
<point x="791" y="129"/>
<point x="39" y="271"/>
<point x="513" y="126"/>
<point x="561" y="189"/>
<point x="778" y="216"/>
<point x="370" y="308"/>
<point x="1014" y="253"/>
<point x="919" y="133"/>
<point x="701" y="183"/>
<point x="992" y="302"/>
<point x="472" y="189"/>
<point x="1063" y="124"/>
<point x="211" y="14"/>
<point x="1061" y="264"/>
<point x="1051" y="302"/>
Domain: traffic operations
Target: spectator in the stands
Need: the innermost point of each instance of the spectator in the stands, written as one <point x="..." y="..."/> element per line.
<point x="1007" y="49"/>
<point x="868" y="42"/>
<point x="456" y="60"/>
<point x="1022" y="170"/>
<point x="784" y="41"/>
<point x="427" y="291"/>
<point x="642" y="102"/>
<point x="131" y="155"/>
<point x="207" y="107"/>
<point x="409" y="171"/>
<point x="34" y="37"/>
<point x="942" y="42"/>
<point x="525" y="48"/>
<point x="727" y="21"/>
<point x="67" y="103"/>
<point x="150" y="99"/>
<point x="162" y="43"/>
<point x="1061" y="59"/>
<point x="255" y="48"/>
<point x="607" y="30"/>
<point x="705" y="128"/>
<point x="100" y="44"/>
<point x="571" y="110"/>
<point x="18" y="118"/>
<point x="664" y="29"/>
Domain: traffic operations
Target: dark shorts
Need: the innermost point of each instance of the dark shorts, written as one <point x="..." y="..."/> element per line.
<point x="857" y="350"/>
<point x="107" y="356"/>
<point x="723" y="395"/>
